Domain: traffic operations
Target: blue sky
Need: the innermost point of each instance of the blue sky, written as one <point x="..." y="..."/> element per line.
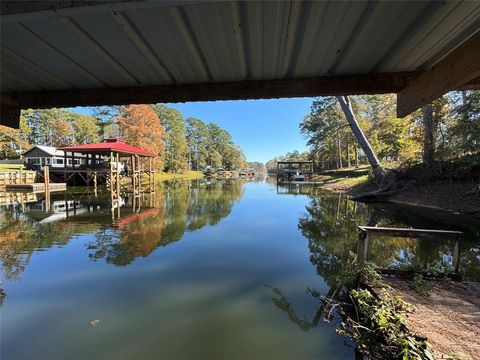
<point x="262" y="128"/>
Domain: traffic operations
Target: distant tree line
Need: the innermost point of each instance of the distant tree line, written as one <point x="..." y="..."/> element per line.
<point x="448" y="129"/>
<point x="256" y="166"/>
<point x="181" y="144"/>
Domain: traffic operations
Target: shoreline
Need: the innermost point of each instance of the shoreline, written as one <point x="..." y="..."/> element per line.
<point x="159" y="177"/>
<point x="457" y="197"/>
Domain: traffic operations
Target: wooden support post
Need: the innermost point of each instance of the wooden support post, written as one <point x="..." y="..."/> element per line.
<point x="362" y="247"/>
<point x="458" y="68"/>
<point x="46" y="176"/>
<point x="153" y="174"/>
<point x="95" y="183"/>
<point x="139" y="174"/>
<point x="132" y="160"/>
<point x="117" y="176"/>
<point x="111" y="177"/>
<point x="150" y="173"/>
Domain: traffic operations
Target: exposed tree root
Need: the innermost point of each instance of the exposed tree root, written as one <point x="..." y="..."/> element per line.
<point x="388" y="185"/>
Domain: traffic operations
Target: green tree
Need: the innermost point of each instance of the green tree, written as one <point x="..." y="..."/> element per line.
<point x="222" y="151"/>
<point x="234" y="158"/>
<point x="214" y="158"/>
<point x="86" y="129"/>
<point x="460" y="132"/>
<point x="107" y="120"/>
<point x="325" y="128"/>
<point x="176" y="146"/>
<point x="52" y="127"/>
<point x="197" y="138"/>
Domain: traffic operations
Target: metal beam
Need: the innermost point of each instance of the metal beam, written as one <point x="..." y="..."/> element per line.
<point x="211" y="91"/>
<point x="15" y="11"/>
<point x="452" y="72"/>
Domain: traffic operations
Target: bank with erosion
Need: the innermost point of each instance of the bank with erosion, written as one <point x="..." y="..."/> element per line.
<point x="448" y="188"/>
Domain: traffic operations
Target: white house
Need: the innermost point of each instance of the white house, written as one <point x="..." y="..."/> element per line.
<point x="42" y="155"/>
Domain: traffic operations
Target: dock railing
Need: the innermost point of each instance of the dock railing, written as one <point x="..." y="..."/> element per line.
<point x="366" y="231"/>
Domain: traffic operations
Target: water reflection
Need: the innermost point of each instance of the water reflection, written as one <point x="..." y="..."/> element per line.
<point x="167" y="272"/>
<point x="130" y="227"/>
<point x="180" y="207"/>
<point x="330" y="225"/>
<point x="134" y="226"/>
<point x="323" y="311"/>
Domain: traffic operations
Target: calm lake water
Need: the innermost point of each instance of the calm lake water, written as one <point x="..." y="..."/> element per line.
<point x="197" y="270"/>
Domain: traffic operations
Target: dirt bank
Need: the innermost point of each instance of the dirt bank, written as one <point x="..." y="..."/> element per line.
<point x="449" y="316"/>
<point x="454" y="196"/>
<point x="459" y="197"/>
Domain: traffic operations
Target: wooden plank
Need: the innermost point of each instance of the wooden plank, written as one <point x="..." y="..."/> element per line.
<point x="402" y="232"/>
<point x="472" y="85"/>
<point x="232" y="90"/>
<point x="333" y="85"/>
<point x="455" y="70"/>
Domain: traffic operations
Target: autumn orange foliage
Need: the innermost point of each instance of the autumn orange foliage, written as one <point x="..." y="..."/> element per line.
<point x="141" y="127"/>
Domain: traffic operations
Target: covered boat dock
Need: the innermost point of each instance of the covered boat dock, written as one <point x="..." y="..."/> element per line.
<point x="288" y="170"/>
<point x="108" y="162"/>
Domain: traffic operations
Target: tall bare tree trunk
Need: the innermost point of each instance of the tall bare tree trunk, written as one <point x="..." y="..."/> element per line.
<point x="349" y="164"/>
<point x="361" y="138"/>
<point x="429" y="136"/>
<point x="356" y="155"/>
<point x="339" y="149"/>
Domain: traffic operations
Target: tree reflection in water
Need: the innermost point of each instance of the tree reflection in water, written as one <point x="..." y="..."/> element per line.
<point x="21" y="235"/>
<point x="176" y="207"/>
<point x="330" y="226"/>
<point x="181" y="206"/>
<point x="324" y="310"/>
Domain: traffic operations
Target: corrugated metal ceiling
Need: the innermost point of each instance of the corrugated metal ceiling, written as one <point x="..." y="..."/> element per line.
<point x="138" y="45"/>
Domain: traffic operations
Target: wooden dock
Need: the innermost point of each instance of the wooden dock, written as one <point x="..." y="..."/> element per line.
<point x="8" y="198"/>
<point x="36" y="187"/>
<point x="17" y="177"/>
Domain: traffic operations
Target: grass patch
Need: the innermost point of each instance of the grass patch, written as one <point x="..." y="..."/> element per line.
<point x="339" y="183"/>
<point x="172" y="176"/>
